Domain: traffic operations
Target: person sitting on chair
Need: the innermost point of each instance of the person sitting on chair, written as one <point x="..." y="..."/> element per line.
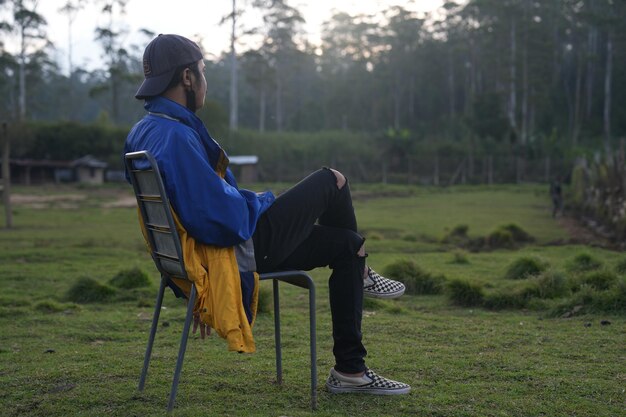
<point x="311" y="225"/>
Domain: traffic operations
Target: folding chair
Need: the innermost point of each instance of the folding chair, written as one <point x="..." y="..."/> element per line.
<point x="167" y="254"/>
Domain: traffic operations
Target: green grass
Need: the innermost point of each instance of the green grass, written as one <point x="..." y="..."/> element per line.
<point x="58" y="358"/>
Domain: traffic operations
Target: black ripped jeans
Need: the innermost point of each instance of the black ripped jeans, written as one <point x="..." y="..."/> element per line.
<point x="311" y="225"/>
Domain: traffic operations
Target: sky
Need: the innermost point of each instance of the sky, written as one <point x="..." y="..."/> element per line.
<point x="195" y="19"/>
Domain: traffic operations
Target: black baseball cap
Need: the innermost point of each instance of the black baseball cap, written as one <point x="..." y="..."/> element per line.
<point x="162" y="56"/>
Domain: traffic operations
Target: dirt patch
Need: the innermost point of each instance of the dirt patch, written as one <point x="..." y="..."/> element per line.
<point x="121" y="202"/>
<point x="40" y="201"/>
<point x="580" y="234"/>
<point x="112" y="199"/>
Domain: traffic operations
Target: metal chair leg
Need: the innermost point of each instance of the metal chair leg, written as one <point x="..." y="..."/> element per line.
<point x="312" y="334"/>
<point x="183" y="347"/>
<point x="277" y="343"/>
<point x="302" y="280"/>
<point x="153" y="329"/>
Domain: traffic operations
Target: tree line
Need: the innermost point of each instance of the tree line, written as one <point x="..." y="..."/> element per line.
<point x="525" y="73"/>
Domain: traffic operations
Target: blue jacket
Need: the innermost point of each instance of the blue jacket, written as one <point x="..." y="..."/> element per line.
<point x="214" y="211"/>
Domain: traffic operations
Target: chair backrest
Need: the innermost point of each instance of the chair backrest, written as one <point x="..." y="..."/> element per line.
<point x="156" y="213"/>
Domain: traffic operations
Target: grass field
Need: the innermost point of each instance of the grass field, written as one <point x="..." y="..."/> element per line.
<point x="60" y="358"/>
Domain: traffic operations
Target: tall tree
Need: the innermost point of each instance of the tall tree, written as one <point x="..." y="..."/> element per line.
<point x="30" y="28"/>
<point x="255" y="66"/>
<point x="283" y="26"/>
<point x="71" y="9"/>
<point x="116" y="56"/>
<point x="234" y="100"/>
<point x="403" y="35"/>
<point x="233" y="16"/>
<point x="350" y="53"/>
<point x="608" y="92"/>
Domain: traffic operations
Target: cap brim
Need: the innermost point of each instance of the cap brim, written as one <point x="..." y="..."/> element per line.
<point x="154" y="86"/>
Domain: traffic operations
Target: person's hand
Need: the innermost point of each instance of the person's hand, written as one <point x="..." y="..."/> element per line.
<point x="205" y="330"/>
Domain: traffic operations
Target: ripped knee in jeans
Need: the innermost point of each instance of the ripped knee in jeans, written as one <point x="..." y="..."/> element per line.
<point x="341" y="180"/>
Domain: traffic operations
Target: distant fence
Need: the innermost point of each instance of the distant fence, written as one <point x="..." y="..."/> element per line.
<point x="426" y="169"/>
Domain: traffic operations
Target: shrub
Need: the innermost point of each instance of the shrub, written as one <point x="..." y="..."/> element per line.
<point x="613" y="300"/>
<point x="14" y="302"/>
<point x="584" y="262"/>
<point x="409" y="237"/>
<point x="525" y="267"/>
<point x="508" y="236"/>
<point x="416" y="280"/>
<point x="459" y="230"/>
<point x="49" y="306"/>
<point x="589" y="299"/>
<point x="465" y="293"/>
<point x="134" y="294"/>
<point x="265" y="300"/>
<point x="372" y="304"/>
<point x="88" y="290"/>
<point x="373" y="235"/>
<point x="519" y="234"/>
<point x="500" y="238"/>
<point x="518" y="295"/>
<point x="457" y="235"/>
<point x="459" y="257"/>
<point x="130" y="278"/>
<point x="599" y="280"/>
<point x="620" y="268"/>
<point x="503" y="299"/>
<point x="551" y="284"/>
<point x="394" y="308"/>
<point x="476" y="244"/>
<point x="577" y="304"/>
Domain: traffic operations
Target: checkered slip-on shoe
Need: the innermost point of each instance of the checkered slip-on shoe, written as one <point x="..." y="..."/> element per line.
<point x="370" y="383"/>
<point x="380" y="287"/>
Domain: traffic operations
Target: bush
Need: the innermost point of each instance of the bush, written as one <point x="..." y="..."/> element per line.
<point x="589" y="300"/>
<point x="130" y="278"/>
<point x="599" y="280"/>
<point x="459" y="230"/>
<point x="548" y="285"/>
<point x="465" y="293"/>
<point x="613" y="300"/>
<point x="476" y="244"/>
<point x="70" y="140"/>
<point x="14" y="302"/>
<point x="552" y="284"/>
<point x="88" y="290"/>
<point x="525" y="267"/>
<point x="503" y="299"/>
<point x="584" y="262"/>
<point x="409" y="237"/>
<point x="372" y="304"/>
<point x="457" y="235"/>
<point x="519" y="234"/>
<point x="265" y="300"/>
<point x="577" y="304"/>
<point x="620" y="268"/>
<point x="416" y="280"/>
<point x="49" y="306"/>
<point x="459" y="257"/>
<point x="500" y="238"/>
<point x="508" y="236"/>
<point x="373" y="235"/>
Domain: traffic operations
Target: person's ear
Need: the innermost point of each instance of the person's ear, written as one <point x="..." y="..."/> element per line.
<point x="186" y="78"/>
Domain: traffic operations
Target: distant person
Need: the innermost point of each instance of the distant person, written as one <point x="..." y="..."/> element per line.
<point x="311" y="225"/>
<point x="556" y="193"/>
